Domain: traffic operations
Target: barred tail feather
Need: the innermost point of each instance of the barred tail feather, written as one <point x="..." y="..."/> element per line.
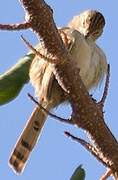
<point x="27" y="140"/>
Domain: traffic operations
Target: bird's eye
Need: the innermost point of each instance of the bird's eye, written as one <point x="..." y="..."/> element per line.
<point x="97" y="33"/>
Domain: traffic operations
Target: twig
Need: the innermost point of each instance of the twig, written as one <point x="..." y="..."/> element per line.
<point x="106" y="175"/>
<point x="38" y="53"/>
<point x="67" y="121"/>
<point x="102" y="101"/>
<point x="15" y="27"/>
<point x="87" y="146"/>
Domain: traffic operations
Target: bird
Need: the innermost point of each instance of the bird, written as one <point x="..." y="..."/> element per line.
<point x="80" y="35"/>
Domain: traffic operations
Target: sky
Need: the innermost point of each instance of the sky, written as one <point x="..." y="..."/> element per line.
<point x="55" y="156"/>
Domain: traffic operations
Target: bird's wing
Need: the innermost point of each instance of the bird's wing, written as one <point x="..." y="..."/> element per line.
<point x="99" y="62"/>
<point x="48" y="75"/>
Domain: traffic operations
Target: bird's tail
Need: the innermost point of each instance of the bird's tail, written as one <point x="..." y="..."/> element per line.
<point x="28" y="139"/>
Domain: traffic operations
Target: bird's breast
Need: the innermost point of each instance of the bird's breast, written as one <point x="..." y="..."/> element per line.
<point x="82" y="54"/>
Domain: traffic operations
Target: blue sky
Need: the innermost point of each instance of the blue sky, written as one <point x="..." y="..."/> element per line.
<point x="55" y="156"/>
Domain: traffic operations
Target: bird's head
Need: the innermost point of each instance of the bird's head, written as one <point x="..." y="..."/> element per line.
<point x="90" y="23"/>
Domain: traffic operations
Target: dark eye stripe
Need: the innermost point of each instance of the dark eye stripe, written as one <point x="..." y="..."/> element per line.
<point x="99" y="20"/>
<point x="96" y="23"/>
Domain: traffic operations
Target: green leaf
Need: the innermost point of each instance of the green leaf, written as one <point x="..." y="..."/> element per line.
<point x="12" y="81"/>
<point x="79" y="174"/>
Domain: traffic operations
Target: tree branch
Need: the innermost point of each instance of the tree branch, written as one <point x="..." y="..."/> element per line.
<point x="87" y="146"/>
<point x="15" y="27"/>
<point x="86" y="112"/>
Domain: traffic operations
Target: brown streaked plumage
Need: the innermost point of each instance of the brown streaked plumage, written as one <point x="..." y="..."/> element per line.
<point x="81" y="34"/>
<point x="90" y="23"/>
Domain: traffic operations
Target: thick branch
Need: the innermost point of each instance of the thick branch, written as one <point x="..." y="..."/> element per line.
<point x="40" y="17"/>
